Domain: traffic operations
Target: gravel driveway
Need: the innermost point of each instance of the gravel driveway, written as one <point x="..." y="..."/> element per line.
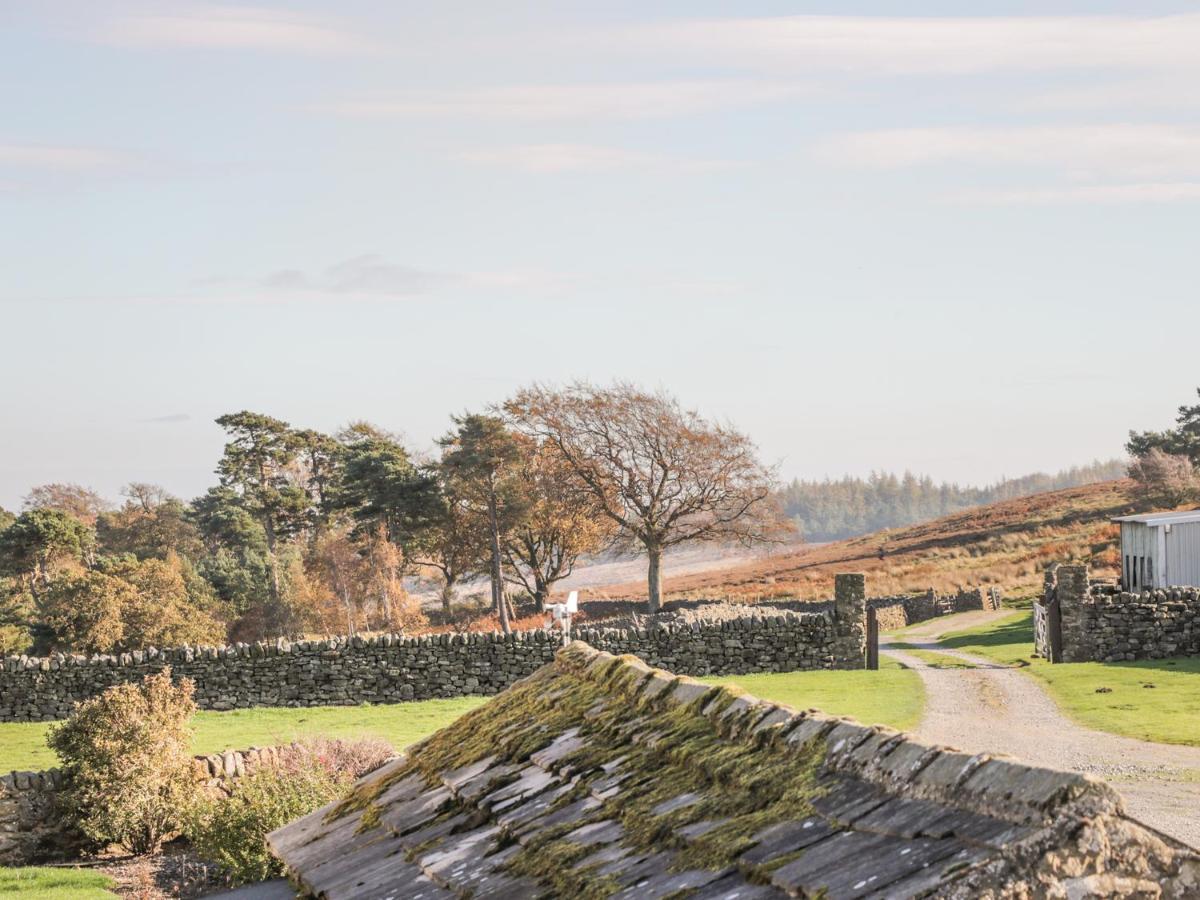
<point x="1003" y="710"/>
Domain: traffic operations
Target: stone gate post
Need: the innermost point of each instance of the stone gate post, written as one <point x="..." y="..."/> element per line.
<point x="850" y="620"/>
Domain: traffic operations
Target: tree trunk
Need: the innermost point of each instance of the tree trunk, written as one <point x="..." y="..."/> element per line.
<point x="654" y="579"/>
<point x="447" y="595"/>
<point x="541" y="593"/>
<point x="497" y="581"/>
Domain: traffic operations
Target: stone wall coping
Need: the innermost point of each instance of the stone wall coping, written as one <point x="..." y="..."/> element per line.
<point x="988" y="784"/>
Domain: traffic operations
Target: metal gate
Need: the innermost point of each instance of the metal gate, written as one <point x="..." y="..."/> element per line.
<point x="1047" y="627"/>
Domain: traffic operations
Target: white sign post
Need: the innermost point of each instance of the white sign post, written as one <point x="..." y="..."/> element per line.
<point x="562" y="612"/>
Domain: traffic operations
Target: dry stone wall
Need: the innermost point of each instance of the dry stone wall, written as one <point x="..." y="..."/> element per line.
<point x="897" y="612"/>
<point x="1100" y="622"/>
<point x="393" y="668"/>
<point x="33" y="828"/>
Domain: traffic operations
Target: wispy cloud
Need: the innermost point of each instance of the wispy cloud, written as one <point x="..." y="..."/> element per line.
<point x="1142" y="152"/>
<point x="233" y="28"/>
<point x="172" y="419"/>
<point x="564" y="158"/>
<point x="629" y="100"/>
<point x="1155" y="192"/>
<point x="367" y="275"/>
<point x="862" y="44"/>
<point x="60" y="158"/>
<point x="1159" y="93"/>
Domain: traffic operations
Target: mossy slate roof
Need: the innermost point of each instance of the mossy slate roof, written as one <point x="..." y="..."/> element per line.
<point x="601" y="777"/>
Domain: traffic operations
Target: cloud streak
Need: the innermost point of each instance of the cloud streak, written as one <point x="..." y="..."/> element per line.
<point x="58" y="158"/>
<point x="367" y="275"/>
<point x="233" y="28"/>
<point x="1131" y="151"/>
<point x="1108" y="194"/>
<point x="566" y="158"/>
<point x="947" y="45"/>
<point x="630" y="100"/>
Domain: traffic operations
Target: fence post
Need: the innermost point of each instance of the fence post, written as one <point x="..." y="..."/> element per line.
<point x="872" y="639"/>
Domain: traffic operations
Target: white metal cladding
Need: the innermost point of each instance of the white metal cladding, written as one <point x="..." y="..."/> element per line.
<point x="1183" y="555"/>
<point x="1141" y="563"/>
<point x="1160" y="554"/>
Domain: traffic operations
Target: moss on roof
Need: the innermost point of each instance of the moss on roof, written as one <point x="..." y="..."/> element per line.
<point x="598" y="776"/>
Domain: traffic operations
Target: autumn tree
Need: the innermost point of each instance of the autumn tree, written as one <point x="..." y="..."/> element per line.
<point x="1164" y="480"/>
<point x="560" y="523"/>
<point x="259" y="465"/>
<point x="150" y="525"/>
<point x="339" y="565"/>
<point x="452" y="540"/>
<point x="664" y="475"/>
<point x="73" y="499"/>
<point x="39" y="542"/>
<point x="480" y="459"/>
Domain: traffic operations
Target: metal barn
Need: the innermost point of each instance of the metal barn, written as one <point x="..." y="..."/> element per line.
<point x="1160" y="550"/>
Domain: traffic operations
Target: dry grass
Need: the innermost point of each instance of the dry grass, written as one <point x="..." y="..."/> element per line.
<point x="1005" y="544"/>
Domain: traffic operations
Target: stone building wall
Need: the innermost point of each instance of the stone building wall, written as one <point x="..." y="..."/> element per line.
<point x="1100" y="622"/>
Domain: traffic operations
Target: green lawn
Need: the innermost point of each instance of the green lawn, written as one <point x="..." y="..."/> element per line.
<point x="892" y="696"/>
<point x="1168" y="711"/>
<point x="23" y="744"/>
<point x="52" y="883"/>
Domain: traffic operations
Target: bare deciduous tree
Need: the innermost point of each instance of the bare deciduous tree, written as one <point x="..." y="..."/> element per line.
<point x="1164" y="479"/>
<point x="665" y="475"/>
<point x="560" y="524"/>
<point x="74" y="499"/>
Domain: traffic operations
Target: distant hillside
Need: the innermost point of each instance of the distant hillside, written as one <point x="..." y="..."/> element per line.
<point x="1007" y="544"/>
<point x="829" y="510"/>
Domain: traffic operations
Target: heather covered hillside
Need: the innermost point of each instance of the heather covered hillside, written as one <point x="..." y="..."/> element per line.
<point x="1006" y="544"/>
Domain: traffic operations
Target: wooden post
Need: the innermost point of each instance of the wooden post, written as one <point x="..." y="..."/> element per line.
<point x="872" y="639"/>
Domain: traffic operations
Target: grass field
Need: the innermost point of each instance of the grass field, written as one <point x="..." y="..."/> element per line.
<point x="53" y="883"/>
<point x="1154" y="700"/>
<point x="23" y="744"/>
<point x="892" y="696"/>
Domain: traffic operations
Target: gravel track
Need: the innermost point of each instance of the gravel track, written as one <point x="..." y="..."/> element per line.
<point x="997" y="709"/>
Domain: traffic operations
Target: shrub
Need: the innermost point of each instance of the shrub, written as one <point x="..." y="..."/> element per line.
<point x="231" y="830"/>
<point x="342" y="759"/>
<point x="127" y="761"/>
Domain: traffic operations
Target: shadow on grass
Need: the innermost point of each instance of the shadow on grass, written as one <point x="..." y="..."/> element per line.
<point x="1018" y="632"/>
<point x="1184" y="665"/>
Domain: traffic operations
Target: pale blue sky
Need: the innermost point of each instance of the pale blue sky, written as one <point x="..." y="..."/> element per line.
<point x="870" y="234"/>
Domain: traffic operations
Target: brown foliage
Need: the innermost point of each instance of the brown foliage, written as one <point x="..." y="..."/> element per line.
<point x="1164" y="480"/>
<point x="127" y="759"/>
<point x="664" y="475"/>
<point x="74" y="499"/>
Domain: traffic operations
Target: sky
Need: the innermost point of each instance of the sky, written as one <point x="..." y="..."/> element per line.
<point x="871" y="235"/>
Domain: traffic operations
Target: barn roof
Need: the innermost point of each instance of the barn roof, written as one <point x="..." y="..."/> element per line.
<point x="598" y="776"/>
<point x="1163" y="518"/>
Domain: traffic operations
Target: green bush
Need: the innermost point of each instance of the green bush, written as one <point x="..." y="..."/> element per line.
<point x="232" y="830"/>
<point x="127" y="760"/>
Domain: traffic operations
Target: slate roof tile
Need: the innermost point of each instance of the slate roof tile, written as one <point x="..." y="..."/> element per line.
<point x="605" y="777"/>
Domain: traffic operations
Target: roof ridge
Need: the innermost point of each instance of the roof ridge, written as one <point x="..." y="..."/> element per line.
<point x="988" y="784"/>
